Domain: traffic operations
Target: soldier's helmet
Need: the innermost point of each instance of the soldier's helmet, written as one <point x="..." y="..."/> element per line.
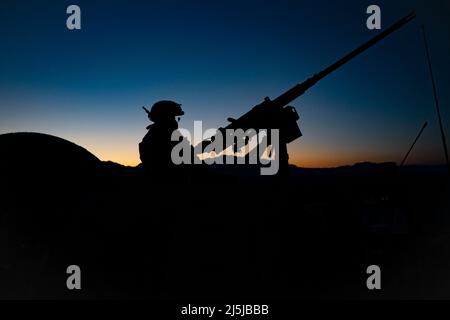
<point x="165" y="110"/>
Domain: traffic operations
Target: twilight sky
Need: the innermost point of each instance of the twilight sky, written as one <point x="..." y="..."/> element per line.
<point x="219" y="59"/>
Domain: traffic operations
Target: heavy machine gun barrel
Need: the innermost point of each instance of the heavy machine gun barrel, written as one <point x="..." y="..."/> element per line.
<point x="301" y="88"/>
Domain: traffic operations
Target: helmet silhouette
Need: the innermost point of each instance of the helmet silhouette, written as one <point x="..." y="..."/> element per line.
<point x="165" y="110"/>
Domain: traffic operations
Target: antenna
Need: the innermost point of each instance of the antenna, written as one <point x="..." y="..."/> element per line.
<point x="444" y="143"/>
<point x="146" y="110"/>
<point x="414" y="143"/>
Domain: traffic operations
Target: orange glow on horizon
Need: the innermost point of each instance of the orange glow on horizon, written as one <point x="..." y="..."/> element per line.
<point x="300" y="155"/>
<point x="304" y="160"/>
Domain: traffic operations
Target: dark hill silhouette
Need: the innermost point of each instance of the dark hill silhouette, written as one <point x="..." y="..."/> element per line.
<point x="47" y="190"/>
<point x="28" y="148"/>
<point x="29" y="160"/>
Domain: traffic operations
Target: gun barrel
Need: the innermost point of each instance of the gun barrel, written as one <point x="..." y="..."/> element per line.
<point x="301" y="88"/>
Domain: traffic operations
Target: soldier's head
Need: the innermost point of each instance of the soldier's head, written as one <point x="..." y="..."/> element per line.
<point x="165" y="112"/>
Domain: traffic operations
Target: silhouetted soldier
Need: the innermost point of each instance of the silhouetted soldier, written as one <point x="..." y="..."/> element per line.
<point x="155" y="152"/>
<point x="156" y="147"/>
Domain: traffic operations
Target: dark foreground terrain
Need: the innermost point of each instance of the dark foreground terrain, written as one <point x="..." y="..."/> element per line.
<point x="310" y="236"/>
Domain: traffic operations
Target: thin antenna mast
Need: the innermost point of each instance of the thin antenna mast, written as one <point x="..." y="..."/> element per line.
<point x="436" y="100"/>
<point x="414" y="143"/>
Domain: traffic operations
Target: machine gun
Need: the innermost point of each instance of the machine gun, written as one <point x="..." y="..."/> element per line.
<point x="275" y="114"/>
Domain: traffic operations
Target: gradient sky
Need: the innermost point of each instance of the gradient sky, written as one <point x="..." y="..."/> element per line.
<point x="219" y="59"/>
